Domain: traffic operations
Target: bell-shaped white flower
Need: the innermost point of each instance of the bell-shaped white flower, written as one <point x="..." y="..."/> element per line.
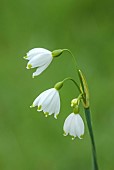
<point x="74" y="126"/>
<point x="48" y="102"/>
<point x="39" y="58"/>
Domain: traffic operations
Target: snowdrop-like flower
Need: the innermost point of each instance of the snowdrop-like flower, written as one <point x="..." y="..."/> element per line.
<point x="48" y="102"/>
<point x="74" y="126"/>
<point x="39" y="58"/>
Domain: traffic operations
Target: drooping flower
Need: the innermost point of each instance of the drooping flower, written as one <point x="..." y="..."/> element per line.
<point x="74" y="126"/>
<point x="48" y="102"/>
<point x="39" y="58"/>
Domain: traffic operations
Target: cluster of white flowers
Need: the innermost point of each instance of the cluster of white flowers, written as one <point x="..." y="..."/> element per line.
<point x="49" y="100"/>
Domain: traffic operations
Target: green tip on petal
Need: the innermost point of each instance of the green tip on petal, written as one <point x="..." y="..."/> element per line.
<point x="73" y="137"/>
<point x="29" y="66"/>
<point x="46" y="114"/>
<point x="31" y="106"/>
<point x="56" y="116"/>
<point x="25" y="57"/>
<point x="81" y="137"/>
<point x="64" y="134"/>
<point x="39" y="108"/>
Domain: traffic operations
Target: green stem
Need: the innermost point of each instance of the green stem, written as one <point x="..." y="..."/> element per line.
<point x="69" y="78"/>
<point x="88" y="119"/>
<point x="75" y="62"/>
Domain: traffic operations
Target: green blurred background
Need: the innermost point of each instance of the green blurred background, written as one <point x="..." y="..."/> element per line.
<point x="28" y="140"/>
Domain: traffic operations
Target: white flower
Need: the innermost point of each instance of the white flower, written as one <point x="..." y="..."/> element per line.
<point x="39" y="58"/>
<point x="74" y="125"/>
<point x="48" y="102"/>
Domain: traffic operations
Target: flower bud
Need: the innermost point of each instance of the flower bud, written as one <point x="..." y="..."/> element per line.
<point x="74" y="102"/>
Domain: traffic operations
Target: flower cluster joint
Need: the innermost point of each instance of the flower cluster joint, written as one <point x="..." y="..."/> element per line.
<point x="49" y="100"/>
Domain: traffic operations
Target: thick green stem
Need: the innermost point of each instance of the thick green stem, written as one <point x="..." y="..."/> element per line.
<point x="88" y="119"/>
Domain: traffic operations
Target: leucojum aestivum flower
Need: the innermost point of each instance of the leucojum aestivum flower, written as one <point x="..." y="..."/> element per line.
<point x="49" y="100"/>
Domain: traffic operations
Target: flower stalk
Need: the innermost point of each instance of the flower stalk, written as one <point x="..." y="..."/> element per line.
<point x="69" y="78"/>
<point x="88" y="119"/>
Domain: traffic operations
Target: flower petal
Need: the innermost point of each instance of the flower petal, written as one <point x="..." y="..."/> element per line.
<point x="36" y="101"/>
<point x="67" y="123"/>
<point x="36" y="51"/>
<point x="45" y="98"/>
<point x="40" y="97"/>
<point x="40" y="60"/>
<point x="39" y="70"/>
<point x="79" y="126"/>
<point x="49" y="103"/>
<point x="57" y="105"/>
<point x="73" y="126"/>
